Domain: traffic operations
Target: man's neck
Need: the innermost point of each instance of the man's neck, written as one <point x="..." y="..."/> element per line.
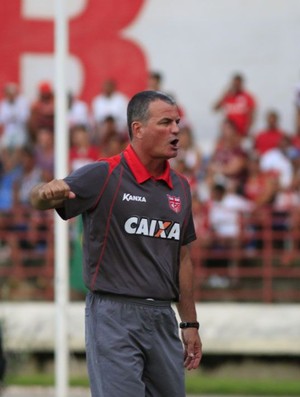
<point x="155" y="166"/>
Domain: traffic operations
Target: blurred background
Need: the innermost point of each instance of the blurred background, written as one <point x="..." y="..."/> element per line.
<point x="233" y="67"/>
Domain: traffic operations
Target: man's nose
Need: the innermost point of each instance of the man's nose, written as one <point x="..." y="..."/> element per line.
<point x="175" y="127"/>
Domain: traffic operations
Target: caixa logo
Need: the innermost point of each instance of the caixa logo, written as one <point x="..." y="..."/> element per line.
<point x="153" y="228"/>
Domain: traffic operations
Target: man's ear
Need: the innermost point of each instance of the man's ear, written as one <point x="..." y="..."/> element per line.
<point x="137" y="129"/>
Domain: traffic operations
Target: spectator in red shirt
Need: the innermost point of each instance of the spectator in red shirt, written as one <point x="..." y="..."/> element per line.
<point x="238" y="105"/>
<point x="42" y="111"/>
<point x="271" y="136"/>
<point x="82" y="152"/>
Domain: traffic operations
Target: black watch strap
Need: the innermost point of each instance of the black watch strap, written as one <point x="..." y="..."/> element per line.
<point x="185" y="324"/>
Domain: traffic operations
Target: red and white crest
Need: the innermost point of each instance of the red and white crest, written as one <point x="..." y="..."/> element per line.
<point x="174" y="203"/>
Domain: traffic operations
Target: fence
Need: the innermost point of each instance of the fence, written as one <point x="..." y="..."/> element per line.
<point x="260" y="264"/>
<point x="26" y="254"/>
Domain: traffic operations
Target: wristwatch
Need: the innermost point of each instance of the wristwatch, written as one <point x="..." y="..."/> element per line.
<point x="185" y="324"/>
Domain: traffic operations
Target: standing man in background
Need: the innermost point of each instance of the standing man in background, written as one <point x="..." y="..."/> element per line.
<point x="109" y="103"/>
<point x="155" y="80"/>
<point x="238" y="105"/>
<point x="138" y="223"/>
<point x="14" y="113"/>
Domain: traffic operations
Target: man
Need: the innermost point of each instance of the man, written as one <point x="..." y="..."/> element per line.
<point x="110" y="102"/>
<point x="78" y="112"/>
<point x="276" y="161"/>
<point x="137" y="225"/>
<point x="14" y="113"/>
<point x="155" y="80"/>
<point x="42" y="111"/>
<point x="270" y="137"/>
<point x="238" y="105"/>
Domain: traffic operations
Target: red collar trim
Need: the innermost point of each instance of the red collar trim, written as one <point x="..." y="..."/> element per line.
<point x="140" y="172"/>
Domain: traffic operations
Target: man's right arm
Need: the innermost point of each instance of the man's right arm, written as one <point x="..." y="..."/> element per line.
<point x="50" y="195"/>
<point x="220" y="102"/>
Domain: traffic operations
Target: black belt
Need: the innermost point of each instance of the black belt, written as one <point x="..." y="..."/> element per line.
<point x="133" y="299"/>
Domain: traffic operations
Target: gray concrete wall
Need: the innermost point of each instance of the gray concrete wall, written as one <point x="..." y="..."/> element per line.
<point x="225" y="328"/>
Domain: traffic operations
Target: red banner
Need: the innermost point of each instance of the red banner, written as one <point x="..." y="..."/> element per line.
<point x="95" y="39"/>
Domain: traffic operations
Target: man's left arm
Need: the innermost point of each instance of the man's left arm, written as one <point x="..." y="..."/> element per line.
<point x="187" y="311"/>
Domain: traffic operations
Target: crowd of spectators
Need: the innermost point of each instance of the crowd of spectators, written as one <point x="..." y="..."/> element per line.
<point x="254" y="170"/>
<point x="246" y="171"/>
<point x="27" y="136"/>
<point x="249" y="173"/>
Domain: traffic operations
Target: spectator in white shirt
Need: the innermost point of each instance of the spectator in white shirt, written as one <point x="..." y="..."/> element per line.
<point x="277" y="161"/>
<point x="224" y="214"/>
<point x="78" y="112"/>
<point x="110" y="103"/>
<point x="14" y="113"/>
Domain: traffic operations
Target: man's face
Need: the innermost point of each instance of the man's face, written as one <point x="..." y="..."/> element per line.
<point x="237" y="85"/>
<point x="272" y="120"/>
<point x="108" y="87"/>
<point x="160" y="134"/>
<point x="10" y="92"/>
<point x="153" y="83"/>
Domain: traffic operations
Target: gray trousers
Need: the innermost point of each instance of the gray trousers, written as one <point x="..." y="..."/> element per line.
<point x="133" y="348"/>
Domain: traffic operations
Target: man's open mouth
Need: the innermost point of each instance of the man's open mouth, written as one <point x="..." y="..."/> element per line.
<point x="174" y="142"/>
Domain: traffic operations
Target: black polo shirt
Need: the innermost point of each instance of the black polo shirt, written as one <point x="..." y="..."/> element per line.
<point x="134" y="225"/>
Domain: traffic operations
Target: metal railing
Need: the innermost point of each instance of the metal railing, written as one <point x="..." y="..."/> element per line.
<point x="26" y="254"/>
<point x="260" y="264"/>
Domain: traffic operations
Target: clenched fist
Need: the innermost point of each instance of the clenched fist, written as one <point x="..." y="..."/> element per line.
<point x="50" y="195"/>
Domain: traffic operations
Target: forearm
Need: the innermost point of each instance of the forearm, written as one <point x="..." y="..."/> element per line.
<point x="187" y="311"/>
<point x="217" y="105"/>
<point x="186" y="305"/>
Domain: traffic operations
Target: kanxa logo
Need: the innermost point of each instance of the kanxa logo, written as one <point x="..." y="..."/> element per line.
<point x="131" y="197"/>
<point x="153" y="228"/>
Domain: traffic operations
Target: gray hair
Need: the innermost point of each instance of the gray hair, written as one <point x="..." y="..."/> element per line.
<point x="138" y="106"/>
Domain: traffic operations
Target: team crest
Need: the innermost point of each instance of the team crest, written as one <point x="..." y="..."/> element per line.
<point x="174" y="203"/>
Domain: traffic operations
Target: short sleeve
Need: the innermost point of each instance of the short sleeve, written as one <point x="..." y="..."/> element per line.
<point x="86" y="183"/>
